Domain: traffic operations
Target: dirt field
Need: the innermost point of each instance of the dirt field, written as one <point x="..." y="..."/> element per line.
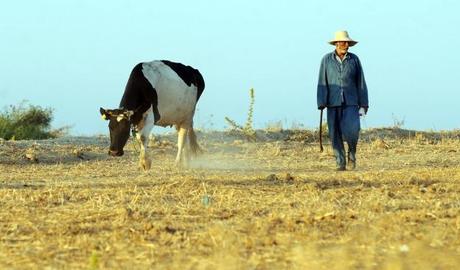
<point x="272" y="204"/>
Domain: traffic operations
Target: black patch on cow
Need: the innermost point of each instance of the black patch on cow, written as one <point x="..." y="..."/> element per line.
<point x="139" y="95"/>
<point x="188" y="74"/>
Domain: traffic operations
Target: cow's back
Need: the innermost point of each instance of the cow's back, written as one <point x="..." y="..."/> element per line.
<point x="176" y="98"/>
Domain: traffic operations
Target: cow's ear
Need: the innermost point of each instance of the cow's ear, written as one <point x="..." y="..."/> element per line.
<point x="104" y="114"/>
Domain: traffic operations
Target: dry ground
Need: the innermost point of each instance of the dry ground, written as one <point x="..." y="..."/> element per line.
<point x="274" y="204"/>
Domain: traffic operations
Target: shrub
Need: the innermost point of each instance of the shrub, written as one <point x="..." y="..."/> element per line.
<point x="27" y="121"/>
<point x="247" y="130"/>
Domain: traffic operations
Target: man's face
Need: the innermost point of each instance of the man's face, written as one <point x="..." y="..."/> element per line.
<point x="341" y="47"/>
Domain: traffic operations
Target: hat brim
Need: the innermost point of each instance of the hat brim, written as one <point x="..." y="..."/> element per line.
<point x="351" y="43"/>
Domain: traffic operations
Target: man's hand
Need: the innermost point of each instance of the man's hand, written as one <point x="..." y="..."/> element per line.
<point x="363" y="111"/>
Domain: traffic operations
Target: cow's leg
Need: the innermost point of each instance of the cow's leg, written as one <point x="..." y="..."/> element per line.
<point x="144" y="159"/>
<point x="143" y="138"/>
<point x="181" y="140"/>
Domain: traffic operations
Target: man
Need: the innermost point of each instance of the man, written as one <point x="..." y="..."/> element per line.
<point x="342" y="89"/>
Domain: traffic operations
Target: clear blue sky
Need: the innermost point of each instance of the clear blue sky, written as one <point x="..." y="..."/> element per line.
<point x="75" y="56"/>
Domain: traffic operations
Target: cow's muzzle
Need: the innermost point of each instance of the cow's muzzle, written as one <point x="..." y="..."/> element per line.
<point x="115" y="153"/>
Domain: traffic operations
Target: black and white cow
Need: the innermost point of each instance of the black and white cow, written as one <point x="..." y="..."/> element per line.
<point x="161" y="93"/>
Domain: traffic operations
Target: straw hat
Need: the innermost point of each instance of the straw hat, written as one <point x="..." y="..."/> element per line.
<point x="343" y="36"/>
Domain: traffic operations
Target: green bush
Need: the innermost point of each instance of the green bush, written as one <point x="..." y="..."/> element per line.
<point x="247" y="130"/>
<point x="27" y="121"/>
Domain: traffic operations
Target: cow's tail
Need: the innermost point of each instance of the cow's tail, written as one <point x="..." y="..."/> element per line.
<point x="195" y="149"/>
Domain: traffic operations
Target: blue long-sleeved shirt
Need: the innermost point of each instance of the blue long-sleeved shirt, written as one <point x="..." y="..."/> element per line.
<point x="341" y="83"/>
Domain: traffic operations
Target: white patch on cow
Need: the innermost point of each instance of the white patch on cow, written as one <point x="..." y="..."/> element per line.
<point x="120" y="117"/>
<point x="147" y="124"/>
<point x="176" y="100"/>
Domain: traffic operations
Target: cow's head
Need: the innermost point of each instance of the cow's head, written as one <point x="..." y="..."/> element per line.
<point x="119" y="126"/>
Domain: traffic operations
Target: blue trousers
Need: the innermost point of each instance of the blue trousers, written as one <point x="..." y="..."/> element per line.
<point x="344" y="125"/>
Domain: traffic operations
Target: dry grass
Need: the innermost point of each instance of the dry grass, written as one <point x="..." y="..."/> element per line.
<point x="265" y="205"/>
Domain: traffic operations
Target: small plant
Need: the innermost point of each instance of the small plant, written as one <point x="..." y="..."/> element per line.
<point x="397" y="123"/>
<point x="247" y="130"/>
<point x="27" y="121"/>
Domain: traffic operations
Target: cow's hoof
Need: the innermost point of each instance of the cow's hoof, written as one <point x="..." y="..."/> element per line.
<point x="181" y="165"/>
<point x="145" y="164"/>
<point x="178" y="164"/>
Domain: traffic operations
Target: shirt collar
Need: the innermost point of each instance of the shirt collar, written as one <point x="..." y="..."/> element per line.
<point x="338" y="58"/>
